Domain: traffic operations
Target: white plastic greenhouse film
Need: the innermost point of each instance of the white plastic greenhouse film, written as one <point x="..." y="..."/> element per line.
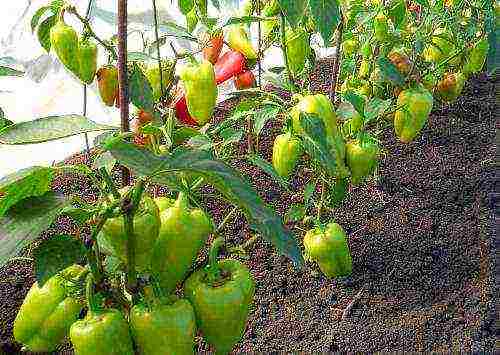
<point x="49" y="89"/>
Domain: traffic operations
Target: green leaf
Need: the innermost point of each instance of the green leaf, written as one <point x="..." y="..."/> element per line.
<point x="181" y="134"/>
<point x="43" y="32"/>
<point x="327" y="16"/>
<point x="4" y="122"/>
<point x="6" y="71"/>
<point x="33" y="181"/>
<point x="262" y="116"/>
<point x="493" y="59"/>
<point x="376" y="107"/>
<point x="56" y="254"/>
<point x="309" y="190"/>
<point x="294" y="10"/>
<point x="231" y="135"/>
<point x="185" y="6"/>
<point x="139" y="56"/>
<point x="397" y="13"/>
<point x="141" y="94"/>
<point x="424" y="3"/>
<point x="338" y="191"/>
<point x="228" y="181"/>
<point x="104" y="160"/>
<point x="295" y="213"/>
<point x="315" y="142"/>
<point x="390" y="72"/>
<point x="49" y="128"/>
<point x="216" y="4"/>
<point x="80" y="215"/>
<point x="24" y="222"/>
<point x="200" y="141"/>
<point x="37" y="16"/>
<point x="243" y="19"/>
<point x="174" y="30"/>
<point x="356" y="101"/>
<point x="56" y="5"/>
<point x="268" y="168"/>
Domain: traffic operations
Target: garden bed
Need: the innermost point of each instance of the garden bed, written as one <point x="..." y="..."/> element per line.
<point x="421" y="237"/>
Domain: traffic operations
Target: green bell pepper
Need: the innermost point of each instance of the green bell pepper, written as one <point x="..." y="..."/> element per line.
<point x="286" y="152"/>
<point x="297" y="48"/>
<point x="415" y="105"/>
<point x="221" y="296"/>
<point x="362" y="157"/>
<point x="183" y="233"/>
<point x="328" y="247"/>
<point x="47" y="312"/>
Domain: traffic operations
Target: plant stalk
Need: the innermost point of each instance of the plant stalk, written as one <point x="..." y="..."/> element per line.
<point x="157" y="38"/>
<point x="122" y="77"/>
<point x="336" y="63"/>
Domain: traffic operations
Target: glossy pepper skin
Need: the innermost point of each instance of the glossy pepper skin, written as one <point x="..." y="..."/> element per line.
<point x="112" y="238"/>
<point x="214" y="46"/>
<point x="47" y="312"/>
<point x="362" y="158"/>
<point x="222" y="304"/>
<point x="153" y="75"/>
<point x="287" y="150"/>
<point x="328" y="247"/>
<point x="416" y="105"/>
<point x="103" y="332"/>
<point x="451" y="86"/>
<point x="163" y="328"/>
<point x="381" y="28"/>
<point x="297" y="48"/>
<point x="229" y="65"/>
<point x="183" y="233"/>
<point x="321" y="105"/>
<point x="107" y="82"/>
<point x="201" y="90"/>
<point x="88" y="60"/>
<point x="245" y="80"/>
<point x="64" y="41"/>
<point x="476" y="57"/>
<point x="237" y="39"/>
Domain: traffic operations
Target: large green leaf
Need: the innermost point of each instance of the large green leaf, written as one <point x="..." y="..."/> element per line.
<point x="43" y="32"/>
<point x="390" y="72"/>
<point x="493" y="61"/>
<point x="32" y="181"/>
<point x="228" y="181"/>
<point x="25" y="221"/>
<point x="294" y="10"/>
<point x="315" y="142"/>
<point x="6" y="71"/>
<point x="326" y="15"/>
<point x="397" y="13"/>
<point x="37" y="16"/>
<point x="56" y="254"/>
<point x="49" y="128"/>
<point x="141" y="93"/>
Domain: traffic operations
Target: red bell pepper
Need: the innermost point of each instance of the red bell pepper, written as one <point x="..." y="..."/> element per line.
<point x="244" y="80"/>
<point x="230" y="64"/>
<point x="182" y="113"/>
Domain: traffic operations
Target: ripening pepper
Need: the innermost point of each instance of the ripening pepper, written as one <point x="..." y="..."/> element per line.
<point x="451" y="86"/>
<point x="64" y="41"/>
<point x="229" y="65"/>
<point x="328" y="247"/>
<point x="364" y="69"/>
<point x="440" y="48"/>
<point x="152" y="73"/>
<point x="183" y="233"/>
<point x="162" y="327"/>
<point x="287" y="150"/>
<point x="401" y="61"/>
<point x="213" y="48"/>
<point x="321" y="105"/>
<point x="362" y="158"/>
<point x="107" y="81"/>
<point x="47" y="312"/>
<point x="102" y="332"/>
<point x="476" y="57"/>
<point x="201" y="90"/>
<point x="297" y="48"/>
<point x="381" y="28"/>
<point x="113" y="239"/>
<point x="349" y="46"/>
<point x="87" y="58"/>
<point x="221" y="296"/>
<point x="244" y="80"/>
<point x="415" y="106"/>
<point x="237" y="39"/>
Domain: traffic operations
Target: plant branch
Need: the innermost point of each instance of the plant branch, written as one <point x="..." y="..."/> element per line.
<point x="88" y="28"/>
<point x="155" y="16"/>
<point x="336" y="62"/>
<point x="122" y="77"/>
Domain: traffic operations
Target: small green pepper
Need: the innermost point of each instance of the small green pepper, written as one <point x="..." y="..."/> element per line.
<point x="286" y="152"/>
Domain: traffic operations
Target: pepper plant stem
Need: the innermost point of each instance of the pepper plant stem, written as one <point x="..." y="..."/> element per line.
<point x="213" y="270"/>
<point x="336" y="62"/>
<point x="122" y="76"/>
<point x="157" y="38"/>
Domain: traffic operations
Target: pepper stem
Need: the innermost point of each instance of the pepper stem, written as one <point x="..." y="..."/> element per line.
<point x="213" y="270"/>
<point x="89" y="295"/>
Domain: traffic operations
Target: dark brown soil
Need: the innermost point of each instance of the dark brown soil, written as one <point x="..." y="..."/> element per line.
<point x="421" y="235"/>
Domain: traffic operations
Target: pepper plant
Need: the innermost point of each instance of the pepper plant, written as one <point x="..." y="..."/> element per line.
<point x="394" y="60"/>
